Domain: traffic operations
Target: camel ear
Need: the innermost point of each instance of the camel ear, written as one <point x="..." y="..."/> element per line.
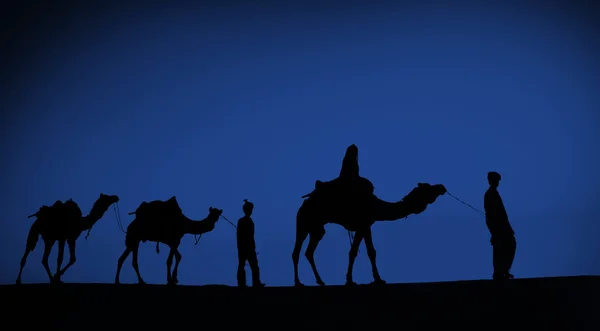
<point x="210" y="209"/>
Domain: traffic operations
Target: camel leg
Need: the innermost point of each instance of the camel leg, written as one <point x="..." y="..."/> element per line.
<point x="59" y="259"/>
<point x="352" y="256"/>
<point x="372" y="253"/>
<point x="169" y="265"/>
<point x="300" y="237"/>
<point x="134" y="263"/>
<point x="176" y="268"/>
<point x="122" y="259"/>
<point x="313" y="242"/>
<point x="48" y="244"/>
<point x="23" y="261"/>
<point x="72" y="243"/>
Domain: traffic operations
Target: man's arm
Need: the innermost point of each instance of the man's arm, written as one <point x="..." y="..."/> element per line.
<point x="491" y="212"/>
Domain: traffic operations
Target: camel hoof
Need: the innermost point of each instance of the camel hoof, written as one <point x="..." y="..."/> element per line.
<point x="18" y="282"/>
<point x="298" y="284"/>
<point x="320" y="283"/>
<point x="141" y="282"/>
<point x="350" y="283"/>
<point x="379" y="282"/>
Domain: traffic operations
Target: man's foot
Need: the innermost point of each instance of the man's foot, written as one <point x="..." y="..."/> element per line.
<point x="498" y="276"/>
<point x="509" y="275"/>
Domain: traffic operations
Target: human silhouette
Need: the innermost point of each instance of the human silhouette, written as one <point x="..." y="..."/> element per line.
<point x="502" y="235"/>
<point x="349" y="201"/>
<point x="62" y="222"/>
<point x="350" y="169"/>
<point x="247" y="247"/>
<point x="349" y="183"/>
<point x="162" y="222"/>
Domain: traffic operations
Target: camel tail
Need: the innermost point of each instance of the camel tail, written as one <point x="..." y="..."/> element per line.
<point x="32" y="215"/>
<point x="32" y="238"/>
<point x="132" y="213"/>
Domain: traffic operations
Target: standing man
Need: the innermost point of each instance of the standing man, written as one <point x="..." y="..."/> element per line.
<point x="503" y="237"/>
<point x="247" y="247"/>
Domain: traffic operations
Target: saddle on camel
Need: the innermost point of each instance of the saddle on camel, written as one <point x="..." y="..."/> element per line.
<point x="59" y="208"/>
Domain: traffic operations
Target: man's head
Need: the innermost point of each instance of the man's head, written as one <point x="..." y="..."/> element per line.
<point x="352" y="151"/>
<point x="248" y="207"/>
<point x="494" y="178"/>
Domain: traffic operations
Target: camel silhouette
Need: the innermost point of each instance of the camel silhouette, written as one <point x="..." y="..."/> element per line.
<point x="62" y="222"/>
<point x="162" y="222"/>
<point x="357" y="213"/>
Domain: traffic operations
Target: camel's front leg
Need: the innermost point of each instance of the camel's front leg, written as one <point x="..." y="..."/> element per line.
<point x="372" y="253"/>
<point x="59" y="260"/>
<point x="176" y="268"/>
<point x="352" y="256"/>
<point x="72" y="257"/>
<point x="169" y="265"/>
<point x="48" y="244"/>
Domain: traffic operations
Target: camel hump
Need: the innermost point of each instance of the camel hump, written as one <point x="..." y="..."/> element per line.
<point x="172" y="206"/>
<point x="159" y="207"/>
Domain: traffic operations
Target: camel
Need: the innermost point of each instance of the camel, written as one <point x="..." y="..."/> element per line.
<point x="62" y="222"/>
<point x="355" y="213"/>
<point x="162" y="222"/>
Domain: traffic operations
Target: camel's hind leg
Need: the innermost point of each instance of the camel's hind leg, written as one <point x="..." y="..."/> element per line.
<point x="300" y="237"/>
<point x="315" y="237"/>
<point x="134" y="263"/>
<point x="132" y="247"/>
<point x="122" y="259"/>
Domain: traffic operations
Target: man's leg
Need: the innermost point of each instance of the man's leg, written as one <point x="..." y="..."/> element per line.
<point x="253" y="261"/>
<point x="497" y="260"/>
<point x="511" y="248"/>
<point x="241" y="271"/>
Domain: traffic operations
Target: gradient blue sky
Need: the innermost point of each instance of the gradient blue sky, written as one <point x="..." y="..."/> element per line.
<point x="215" y="104"/>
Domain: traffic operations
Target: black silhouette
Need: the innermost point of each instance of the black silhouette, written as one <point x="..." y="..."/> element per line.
<point x="349" y="201"/>
<point x="247" y="247"/>
<point x="162" y="222"/>
<point x="502" y="235"/>
<point x="348" y="182"/>
<point x="62" y="222"/>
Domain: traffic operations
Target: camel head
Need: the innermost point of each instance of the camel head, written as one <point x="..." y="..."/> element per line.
<point x="214" y="214"/>
<point x="426" y="193"/>
<point x="107" y="200"/>
<point x="439" y="189"/>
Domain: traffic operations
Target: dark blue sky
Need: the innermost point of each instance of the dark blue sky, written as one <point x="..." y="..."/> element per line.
<point x="218" y="104"/>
